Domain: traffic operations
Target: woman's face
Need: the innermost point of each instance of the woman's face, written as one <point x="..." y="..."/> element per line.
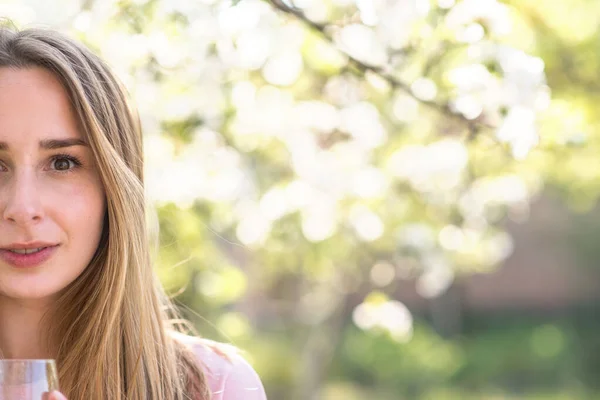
<point x="51" y="195"/>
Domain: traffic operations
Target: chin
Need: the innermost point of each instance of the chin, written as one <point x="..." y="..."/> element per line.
<point x="42" y="292"/>
<point x="38" y="295"/>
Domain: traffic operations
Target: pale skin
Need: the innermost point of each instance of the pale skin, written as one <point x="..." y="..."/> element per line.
<point x="50" y="192"/>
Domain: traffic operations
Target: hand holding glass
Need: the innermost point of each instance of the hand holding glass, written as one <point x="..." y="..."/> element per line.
<point x="27" y="379"/>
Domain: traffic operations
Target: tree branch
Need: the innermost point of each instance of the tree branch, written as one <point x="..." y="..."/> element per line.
<point x="322" y="30"/>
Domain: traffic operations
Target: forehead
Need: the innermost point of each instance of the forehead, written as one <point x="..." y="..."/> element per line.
<point x="33" y="102"/>
<point x="29" y="81"/>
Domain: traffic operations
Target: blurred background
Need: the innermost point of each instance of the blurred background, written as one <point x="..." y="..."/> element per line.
<point x="376" y="199"/>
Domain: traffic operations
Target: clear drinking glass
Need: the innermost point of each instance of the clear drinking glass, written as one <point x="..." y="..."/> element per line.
<point x="27" y="379"/>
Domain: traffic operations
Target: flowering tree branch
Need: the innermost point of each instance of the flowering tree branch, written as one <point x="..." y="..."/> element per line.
<point x="473" y="126"/>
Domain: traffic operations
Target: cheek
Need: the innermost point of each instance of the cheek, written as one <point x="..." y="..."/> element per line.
<point x="81" y="225"/>
<point x="79" y="209"/>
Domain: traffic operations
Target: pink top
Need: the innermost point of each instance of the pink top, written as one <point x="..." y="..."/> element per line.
<point x="229" y="375"/>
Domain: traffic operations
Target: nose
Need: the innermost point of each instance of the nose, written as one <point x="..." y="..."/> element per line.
<point x="20" y="201"/>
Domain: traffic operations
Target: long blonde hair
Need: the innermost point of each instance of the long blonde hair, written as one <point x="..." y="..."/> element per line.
<point x="111" y="323"/>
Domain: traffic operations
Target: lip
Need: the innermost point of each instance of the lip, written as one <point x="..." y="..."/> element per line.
<point x="27" y="260"/>
<point x="27" y="245"/>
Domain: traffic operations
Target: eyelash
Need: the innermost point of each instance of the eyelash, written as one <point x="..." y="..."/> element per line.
<point x="76" y="162"/>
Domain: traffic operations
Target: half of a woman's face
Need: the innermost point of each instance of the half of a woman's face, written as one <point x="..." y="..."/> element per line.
<point x="51" y="197"/>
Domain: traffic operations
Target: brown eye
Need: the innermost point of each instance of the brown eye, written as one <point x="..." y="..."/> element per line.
<point x="64" y="164"/>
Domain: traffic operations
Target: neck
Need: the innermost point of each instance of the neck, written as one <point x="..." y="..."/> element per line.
<point x="21" y="332"/>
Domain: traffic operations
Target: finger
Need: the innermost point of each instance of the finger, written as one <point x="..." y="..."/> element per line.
<point x="55" y="395"/>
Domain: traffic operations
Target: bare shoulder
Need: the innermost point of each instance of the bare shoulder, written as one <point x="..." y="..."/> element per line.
<point x="229" y="375"/>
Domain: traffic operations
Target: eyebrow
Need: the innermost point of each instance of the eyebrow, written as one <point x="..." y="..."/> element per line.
<point x="52" y="144"/>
